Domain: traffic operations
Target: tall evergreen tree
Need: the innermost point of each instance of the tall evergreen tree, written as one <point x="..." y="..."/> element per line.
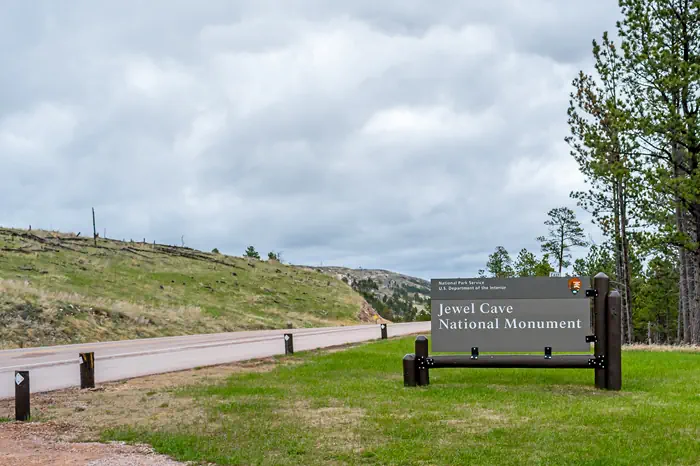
<point x="500" y="264"/>
<point x="565" y="232"/>
<point x="527" y="265"/>
<point x="604" y="146"/>
<point x="661" y="46"/>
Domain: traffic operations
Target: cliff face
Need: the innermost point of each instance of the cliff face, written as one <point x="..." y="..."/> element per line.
<point x="387" y="281"/>
<point x="396" y="297"/>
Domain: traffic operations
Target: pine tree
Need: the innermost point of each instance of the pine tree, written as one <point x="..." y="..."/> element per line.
<point x="251" y="252"/>
<point x="525" y="264"/>
<point x="661" y="48"/>
<point x="500" y="264"/>
<point x="604" y="146"/>
<point x="565" y="232"/>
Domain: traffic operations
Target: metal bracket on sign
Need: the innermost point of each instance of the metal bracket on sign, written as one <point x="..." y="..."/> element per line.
<point x="598" y="361"/>
<point x="591" y="339"/>
<point x="592" y="293"/>
<point x="475" y="352"/>
<point x="548" y="352"/>
<point x="424" y="363"/>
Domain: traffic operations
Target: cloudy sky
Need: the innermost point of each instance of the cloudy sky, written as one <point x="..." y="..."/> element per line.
<point x="409" y="135"/>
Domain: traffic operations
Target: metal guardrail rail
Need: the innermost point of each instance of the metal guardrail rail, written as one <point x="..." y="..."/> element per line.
<point x="45" y="371"/>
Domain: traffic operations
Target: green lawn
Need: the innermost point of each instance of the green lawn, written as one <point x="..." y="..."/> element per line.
<point x="350" y="407"/>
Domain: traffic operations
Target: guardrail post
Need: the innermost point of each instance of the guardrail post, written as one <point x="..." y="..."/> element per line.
<point x="87" y="370"/>
<point x="409" y="370"/>
<point x="22" y="402"/>
<point x="383" y="327"/>
<point x="601" y="284"/>
<point x="613" y="363"/>
<point x="422" y="374"/>
<point x="288" y="343"/>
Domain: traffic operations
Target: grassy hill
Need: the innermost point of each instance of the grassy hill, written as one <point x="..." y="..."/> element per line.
<point x="59" y="288"/>
<point x="395" y="296"/>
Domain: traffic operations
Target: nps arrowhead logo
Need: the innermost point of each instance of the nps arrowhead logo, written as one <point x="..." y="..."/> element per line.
<point x="575" y="285"/>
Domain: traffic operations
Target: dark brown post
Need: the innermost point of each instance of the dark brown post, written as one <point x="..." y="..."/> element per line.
<point x="409" y="370"/>
<point x="288" y="343"/>
<point x="87" y="370"/>
<point x="383" y="327"/>
<point x="613" y="363"/>
<point x="22" y="404"/>
<point x="601" y="284"/>
<point x="94" y="229"/>
<point x="423" y="376"/>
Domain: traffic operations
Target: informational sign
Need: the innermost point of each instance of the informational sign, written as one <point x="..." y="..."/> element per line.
<point x="510" y="314"/>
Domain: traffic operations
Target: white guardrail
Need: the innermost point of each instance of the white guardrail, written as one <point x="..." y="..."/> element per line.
<point x="57" y="375"/>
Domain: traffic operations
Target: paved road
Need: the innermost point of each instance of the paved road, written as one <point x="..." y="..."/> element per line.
<point x="57" y="367"/>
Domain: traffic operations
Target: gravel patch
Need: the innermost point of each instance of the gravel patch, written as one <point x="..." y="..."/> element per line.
<point x="34" y="444"/>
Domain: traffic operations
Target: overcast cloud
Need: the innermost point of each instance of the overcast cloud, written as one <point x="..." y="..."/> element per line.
<point x="408" y="135"/>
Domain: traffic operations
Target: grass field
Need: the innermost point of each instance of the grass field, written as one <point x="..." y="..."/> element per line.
<point x="350" y="407"/>
<point x="60" y="288"/>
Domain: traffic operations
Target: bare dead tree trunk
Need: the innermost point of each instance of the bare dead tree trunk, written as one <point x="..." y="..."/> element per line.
<point x="94" y="229"/>
<point x="679" y="324"/>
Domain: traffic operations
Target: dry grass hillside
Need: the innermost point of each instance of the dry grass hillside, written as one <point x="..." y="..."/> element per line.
<point x="59" y="288"/>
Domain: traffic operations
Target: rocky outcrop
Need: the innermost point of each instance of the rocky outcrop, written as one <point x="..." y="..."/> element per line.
<point x="368" y="314"/>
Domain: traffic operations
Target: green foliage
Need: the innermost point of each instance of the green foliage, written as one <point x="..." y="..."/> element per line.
<point x="215" y="251"/>
<point x="656" y="300"/>
<point x="527" y="265"/>
<point x="273" y="256"/>
<point x="251" y="252"/>
<point x="500" y="264"/>
<point x="565" y="232"/>
<point x="597" y="260"/>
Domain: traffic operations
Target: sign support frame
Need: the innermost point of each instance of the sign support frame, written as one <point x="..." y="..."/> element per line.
<point x="605" y="360"/>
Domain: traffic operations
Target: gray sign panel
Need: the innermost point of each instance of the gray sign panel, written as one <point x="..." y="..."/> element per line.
<point x="510" y="314"/>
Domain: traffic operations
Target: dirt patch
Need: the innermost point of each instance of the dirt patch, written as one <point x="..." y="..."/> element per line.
<point x="682" y="348"/>
<point x="30" y="444"/>
<point x="477" y="419"/>
<point x="67" y="423"/>
<point x="149" y="401"/>
<point x="338" y="425"/>
<point x="329" y="417"/>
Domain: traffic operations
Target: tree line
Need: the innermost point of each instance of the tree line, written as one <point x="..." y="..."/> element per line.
<point x="655" y="279"/>
<point x="565" y="232"/>
<point x="635" y="136"/>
